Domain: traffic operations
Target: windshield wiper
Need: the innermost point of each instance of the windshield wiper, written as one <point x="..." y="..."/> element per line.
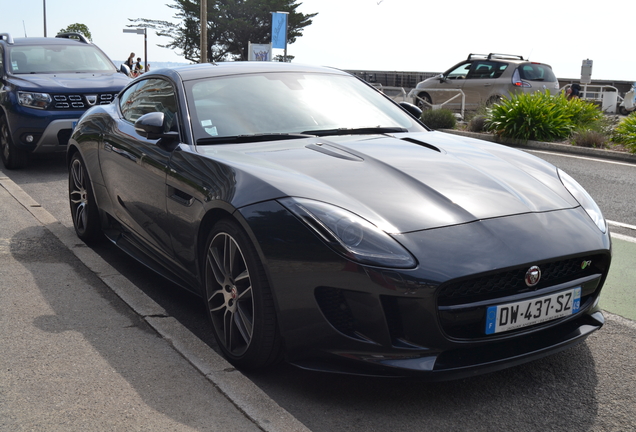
<point x="356" y="131"/>
<point x="241" y="139"/>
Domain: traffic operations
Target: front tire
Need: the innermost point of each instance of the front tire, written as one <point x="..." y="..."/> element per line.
<point x="238" y="299"/>
<point x="84" y="209"/>
<point x="12" y="157"/>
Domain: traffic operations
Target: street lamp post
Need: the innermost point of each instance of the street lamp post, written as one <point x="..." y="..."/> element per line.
<point x="203" y="44"/>
<point x="143" y="32"/>
<point x="44" y="9"/>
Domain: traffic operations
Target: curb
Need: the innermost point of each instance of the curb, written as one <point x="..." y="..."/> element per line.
<point x="249" y="399"/>
<point x="541" y="145"/>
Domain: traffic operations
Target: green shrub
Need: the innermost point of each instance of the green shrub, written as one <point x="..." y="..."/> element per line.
<point x="583" y="115"/>
<point x="541" y="116"/>
<point x="625" y="132"/>
<point x="439" y="119"/>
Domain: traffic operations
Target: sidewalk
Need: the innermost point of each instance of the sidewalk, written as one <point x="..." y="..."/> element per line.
<point x="75" y="357"/>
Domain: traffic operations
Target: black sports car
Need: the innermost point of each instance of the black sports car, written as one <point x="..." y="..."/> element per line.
<point x="323" y="223"/>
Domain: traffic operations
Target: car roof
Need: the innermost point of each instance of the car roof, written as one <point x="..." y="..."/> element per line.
<point x="198" y="71"/>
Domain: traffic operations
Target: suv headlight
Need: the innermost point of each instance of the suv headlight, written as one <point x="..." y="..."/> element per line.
<point x="350" y="235"/>
<point x="34" y="100"/>
<point x="584" y="199"/>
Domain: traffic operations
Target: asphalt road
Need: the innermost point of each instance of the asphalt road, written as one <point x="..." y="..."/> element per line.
<point x="590" y="387"/>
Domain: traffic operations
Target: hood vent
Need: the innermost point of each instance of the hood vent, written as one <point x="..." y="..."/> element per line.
<point x="334" y="151"/>
<point x="422" y="143"/>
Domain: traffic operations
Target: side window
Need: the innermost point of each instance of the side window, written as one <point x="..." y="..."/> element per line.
<point x="460" y="72"/>
<point x="487" y="69"/>
<point x="150" y="95"/>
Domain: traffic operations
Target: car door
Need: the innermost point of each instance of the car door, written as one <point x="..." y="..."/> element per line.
<point x="448" y="92"/>
<point x="479" y="85"/>
<point x="135" y="168"/>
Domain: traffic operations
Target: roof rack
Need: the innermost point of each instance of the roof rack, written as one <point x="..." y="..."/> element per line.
<point x="496" y="55"/>
<point x="73" y="35"/>
<point x="7" y="37"/>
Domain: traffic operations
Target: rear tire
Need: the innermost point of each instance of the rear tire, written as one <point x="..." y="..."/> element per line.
<point x="239" y="300"/>
<point x="12" y="157"/>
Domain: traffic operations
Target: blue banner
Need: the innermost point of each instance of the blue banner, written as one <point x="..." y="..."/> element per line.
<point x="279" y="30"/>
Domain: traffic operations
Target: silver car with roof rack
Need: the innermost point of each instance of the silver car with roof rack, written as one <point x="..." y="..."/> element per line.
<point x="483" y="79"/>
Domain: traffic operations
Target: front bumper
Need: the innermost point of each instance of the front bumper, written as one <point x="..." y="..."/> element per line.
<point x="340" y="316"/>
<point x="41" y="131"/>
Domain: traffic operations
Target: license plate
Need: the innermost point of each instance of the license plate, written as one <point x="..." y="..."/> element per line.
<point x="512" y="316"/>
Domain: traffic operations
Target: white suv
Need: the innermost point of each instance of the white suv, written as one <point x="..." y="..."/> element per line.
<point x="483" y="79"/>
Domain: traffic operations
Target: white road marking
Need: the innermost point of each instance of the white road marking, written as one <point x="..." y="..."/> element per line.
<point x="621" y="224"/>
<point x="623" y="237"/>
<point x="582" y="157"/>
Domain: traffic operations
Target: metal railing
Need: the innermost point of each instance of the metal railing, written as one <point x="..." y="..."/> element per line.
<point x="398" y="94"/>
<point x="438" y="106"/>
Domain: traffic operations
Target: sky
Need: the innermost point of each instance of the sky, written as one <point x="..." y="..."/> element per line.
<point x="381" y="35"/>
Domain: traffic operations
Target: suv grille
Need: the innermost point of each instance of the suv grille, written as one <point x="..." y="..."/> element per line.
<point x="81" y="101"/>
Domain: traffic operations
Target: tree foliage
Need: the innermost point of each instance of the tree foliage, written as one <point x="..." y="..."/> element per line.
<point x="78" y="28"/>
<point x="231" y="25"/>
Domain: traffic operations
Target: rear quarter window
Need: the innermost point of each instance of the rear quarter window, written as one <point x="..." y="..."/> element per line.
<point x="536" y="72"/>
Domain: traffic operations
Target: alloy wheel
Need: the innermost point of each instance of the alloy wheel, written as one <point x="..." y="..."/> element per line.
<point x="79" y="195"/>
<point x="229" y="294"/>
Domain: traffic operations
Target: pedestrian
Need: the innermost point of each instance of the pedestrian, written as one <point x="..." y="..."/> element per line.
<point x="573" y="91"/>
<point x="131" y="61"/>
<point x="139" y="68"/>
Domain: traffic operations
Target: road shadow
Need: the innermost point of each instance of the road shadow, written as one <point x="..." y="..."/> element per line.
<point x="150" y="384"/>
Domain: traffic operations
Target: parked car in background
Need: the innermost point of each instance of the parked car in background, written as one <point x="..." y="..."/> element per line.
<point x="484" y="79"/>
<point x="46" y="84"/>
<point x="322" y="223"/>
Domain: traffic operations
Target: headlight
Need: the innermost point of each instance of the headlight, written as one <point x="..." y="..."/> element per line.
<point x="350" y="235"/>
<point x="34" y="100"/>
<point x="584" y="199"/>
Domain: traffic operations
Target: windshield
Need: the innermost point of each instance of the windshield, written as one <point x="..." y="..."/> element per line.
<point x="58" y="59"/>
<point x="290" y="103"/>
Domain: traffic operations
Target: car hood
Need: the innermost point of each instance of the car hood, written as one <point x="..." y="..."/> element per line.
<point x="401" y="183"/>
<point x="96" y="82"/>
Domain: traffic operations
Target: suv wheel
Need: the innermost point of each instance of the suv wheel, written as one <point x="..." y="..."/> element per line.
<point x="12" y="157"/>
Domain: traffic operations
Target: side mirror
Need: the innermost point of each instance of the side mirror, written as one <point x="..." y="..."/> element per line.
<point x="411" y="109"/>
<point x="441" y="78"/>
<point x="154" y="126"/>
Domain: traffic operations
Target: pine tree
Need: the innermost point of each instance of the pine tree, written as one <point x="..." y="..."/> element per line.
<point x="232" y="24"/>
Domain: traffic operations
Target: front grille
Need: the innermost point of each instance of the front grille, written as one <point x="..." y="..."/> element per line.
<point x="512" y="281"/>
<point x="81" y="101"/>
<point x="465" y="320"/>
